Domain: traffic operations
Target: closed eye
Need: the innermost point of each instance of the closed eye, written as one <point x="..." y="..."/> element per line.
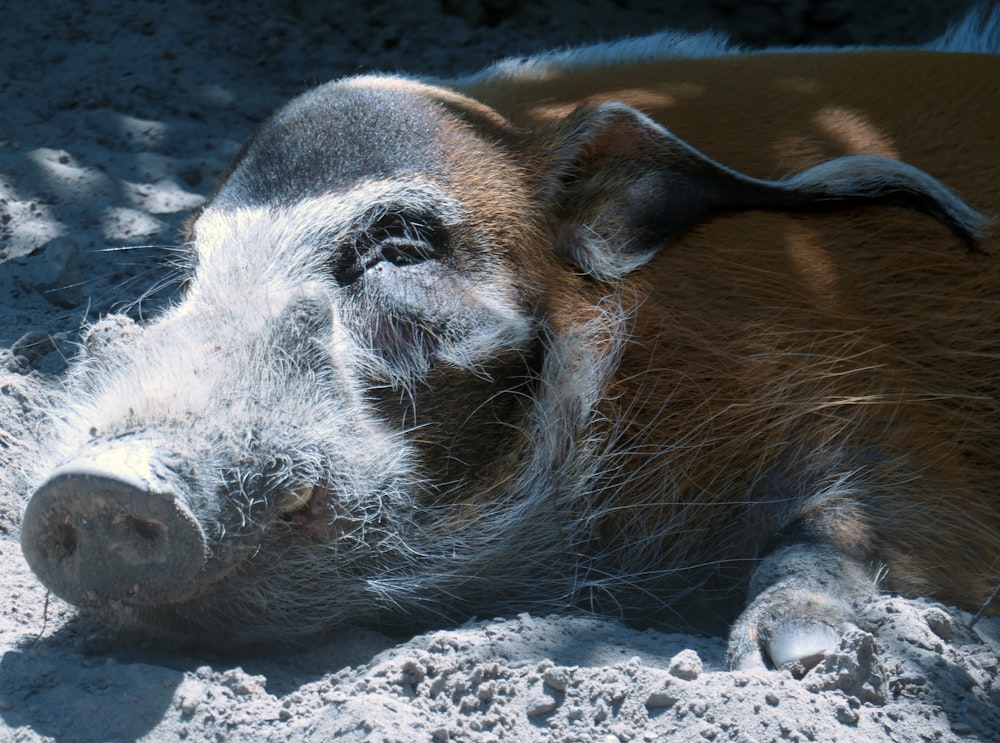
<point x="395" y="238"/>
<point x="403" y="252"/>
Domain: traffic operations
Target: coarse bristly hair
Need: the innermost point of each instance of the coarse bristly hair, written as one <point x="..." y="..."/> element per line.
<point x="657" y="428"/>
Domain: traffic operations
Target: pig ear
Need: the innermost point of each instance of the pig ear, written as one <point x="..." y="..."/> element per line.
<point x="623" y="187"/>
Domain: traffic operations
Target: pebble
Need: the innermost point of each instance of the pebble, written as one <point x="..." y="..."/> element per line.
<point x="540" y="702"/>
<point x="685" y="665"/>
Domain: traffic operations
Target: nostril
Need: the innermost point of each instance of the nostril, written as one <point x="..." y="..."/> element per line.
<point x="61" y="542"/>
<point x="114" y="526"/>
<point x="148" y="531"/>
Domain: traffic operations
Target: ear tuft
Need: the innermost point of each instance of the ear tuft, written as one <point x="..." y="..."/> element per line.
<point x="623" y="187"/>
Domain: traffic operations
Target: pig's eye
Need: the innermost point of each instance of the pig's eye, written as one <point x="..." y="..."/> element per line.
<point x="397" y="239"/>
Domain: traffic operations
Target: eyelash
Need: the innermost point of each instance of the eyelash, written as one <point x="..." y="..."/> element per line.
<point x="394" y="238"/>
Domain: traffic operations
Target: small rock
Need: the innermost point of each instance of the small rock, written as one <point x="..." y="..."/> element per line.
<point x="685" y="665"/>
<point x="540" y="702"/>
<point x="189" y="696"/>
<point x="557" y="678"/>
<point x="33" y="345"/>
<point x="853" y="668"/>
<point x="940" y="622"/>
<point x="63" y="278"/>
<point x="412" y="672"/>
<point x="847" y="715"/>
<point x="661" y="699"/>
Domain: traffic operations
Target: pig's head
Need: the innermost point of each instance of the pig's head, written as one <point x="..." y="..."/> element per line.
<point x="379" y="398"/>
<point x="335" y="421"/>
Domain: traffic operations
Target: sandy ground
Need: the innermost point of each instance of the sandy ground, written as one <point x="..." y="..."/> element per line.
<point x="116" y="118"/>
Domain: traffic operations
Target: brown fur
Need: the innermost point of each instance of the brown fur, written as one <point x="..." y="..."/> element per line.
<point x="594" y="390"/>
<point x="869" y="329"/>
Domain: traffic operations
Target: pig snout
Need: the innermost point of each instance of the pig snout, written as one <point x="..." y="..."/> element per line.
<point x="113" y="526"/>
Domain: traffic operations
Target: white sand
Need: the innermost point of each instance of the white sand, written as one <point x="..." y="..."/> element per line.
<point x="116" y="119"/>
